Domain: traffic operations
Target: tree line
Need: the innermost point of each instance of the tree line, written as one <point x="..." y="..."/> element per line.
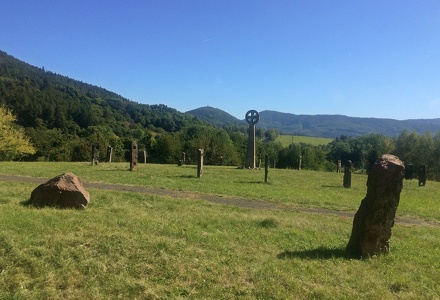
<point x="221" y="147"/>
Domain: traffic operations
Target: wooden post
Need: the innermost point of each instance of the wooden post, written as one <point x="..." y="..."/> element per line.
<point x="200" y="164"/>
<point x="109" y="153"/>
<point x="266" y="167"/>
<point x="95" y="154"/>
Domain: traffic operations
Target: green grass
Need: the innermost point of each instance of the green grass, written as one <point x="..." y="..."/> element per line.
<point x="286" y="140"/>
<point x="287" y="187"/>
<point x="129" y="245"/>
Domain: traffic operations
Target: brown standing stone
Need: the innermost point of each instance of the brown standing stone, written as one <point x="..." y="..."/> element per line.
<point x="422" y="175"/>
<point x="347" y="174"/>
<point x="134" y="156"/>
<point x="375" y="217"/>
<point x="64" y="191"/>
<point x="95" y="154"/>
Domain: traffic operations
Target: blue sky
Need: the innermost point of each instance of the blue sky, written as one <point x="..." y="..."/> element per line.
<point x="356" y="58"/>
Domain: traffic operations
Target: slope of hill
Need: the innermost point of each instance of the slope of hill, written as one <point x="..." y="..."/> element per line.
<point x="43" y="99"/>
<point x="328" y="126"/>
<point x="337" y="125"/>
<point x="216" y="117"/>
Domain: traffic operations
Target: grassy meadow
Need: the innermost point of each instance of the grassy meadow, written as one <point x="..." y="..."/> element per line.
<point x="286" y="140"/>
<point x="131" y="245"/>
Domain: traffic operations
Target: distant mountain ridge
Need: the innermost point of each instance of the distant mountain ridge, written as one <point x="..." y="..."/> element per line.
<point x="322" y="125"/>
<point x="337" y="125"/>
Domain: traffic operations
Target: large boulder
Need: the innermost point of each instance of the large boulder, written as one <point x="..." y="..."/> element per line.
<point x="64" y="191"/>
<point x="375" y="217"/>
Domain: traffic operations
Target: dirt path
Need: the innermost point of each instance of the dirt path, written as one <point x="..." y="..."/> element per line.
<point x="226" y="200"/>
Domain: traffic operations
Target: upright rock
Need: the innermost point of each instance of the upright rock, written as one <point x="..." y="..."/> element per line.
<point x="64" y="191"/>
<point x="134" y="156"/>
<point x="373" y="221"/>
<point x="200" y="163"/>
<point x="347" y="174"/>
<point x="422" y="175"/>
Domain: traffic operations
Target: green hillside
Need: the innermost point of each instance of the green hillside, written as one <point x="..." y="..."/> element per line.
<point x="286" y="140"/>
<point x="216" y="117"/>
<point x="40" y="98"/>
<point x="333" y="126"/>
<point x="328" y="126"/>
<point x="63" y="116"/>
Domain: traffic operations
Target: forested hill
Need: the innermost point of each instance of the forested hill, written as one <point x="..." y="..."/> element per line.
<point x="337" y="125"/>
<point x="216" y="117"/>
<point x="322" y="125"/>
<point x="42" y="99"/>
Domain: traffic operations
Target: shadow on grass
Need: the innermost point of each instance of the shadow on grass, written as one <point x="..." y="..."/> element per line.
<point x="29" y="203"/>
<point x="182" y="176"/>
<point x="319" y="253"/>
<point x="26" y="202"/>
<point x="333" y="186"/>
<point x="253" y="182"/>
<point x="112" y="170"/>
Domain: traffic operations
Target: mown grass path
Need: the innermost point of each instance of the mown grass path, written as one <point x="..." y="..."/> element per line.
<point x="225" y="200"/>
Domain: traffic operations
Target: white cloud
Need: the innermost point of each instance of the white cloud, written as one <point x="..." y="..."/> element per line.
<point x="208" y="40"/>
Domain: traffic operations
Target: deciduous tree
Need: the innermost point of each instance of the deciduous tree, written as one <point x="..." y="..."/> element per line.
<point x="13" y="142"/>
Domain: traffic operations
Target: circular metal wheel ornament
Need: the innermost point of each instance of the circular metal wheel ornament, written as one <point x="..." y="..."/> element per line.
<point x="252" y="117"/>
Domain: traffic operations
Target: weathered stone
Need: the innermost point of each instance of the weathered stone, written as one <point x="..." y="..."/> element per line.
<point x="95" y="154"/>
<point x="64" y="191"/>
<point x="266" y="167"/>
<point x="347" y="174"/>
<point x="252" y="117"/>
<point x="134" y="156"/>
<point x="142" y="156"/>
<point x="109" y="154"/>
<point x="375" y="217"/>
<point x="339" y="167"/>
<point x="200" y="163"/>
<point x="422" y="175"/>
<point x="409" y="171"/>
